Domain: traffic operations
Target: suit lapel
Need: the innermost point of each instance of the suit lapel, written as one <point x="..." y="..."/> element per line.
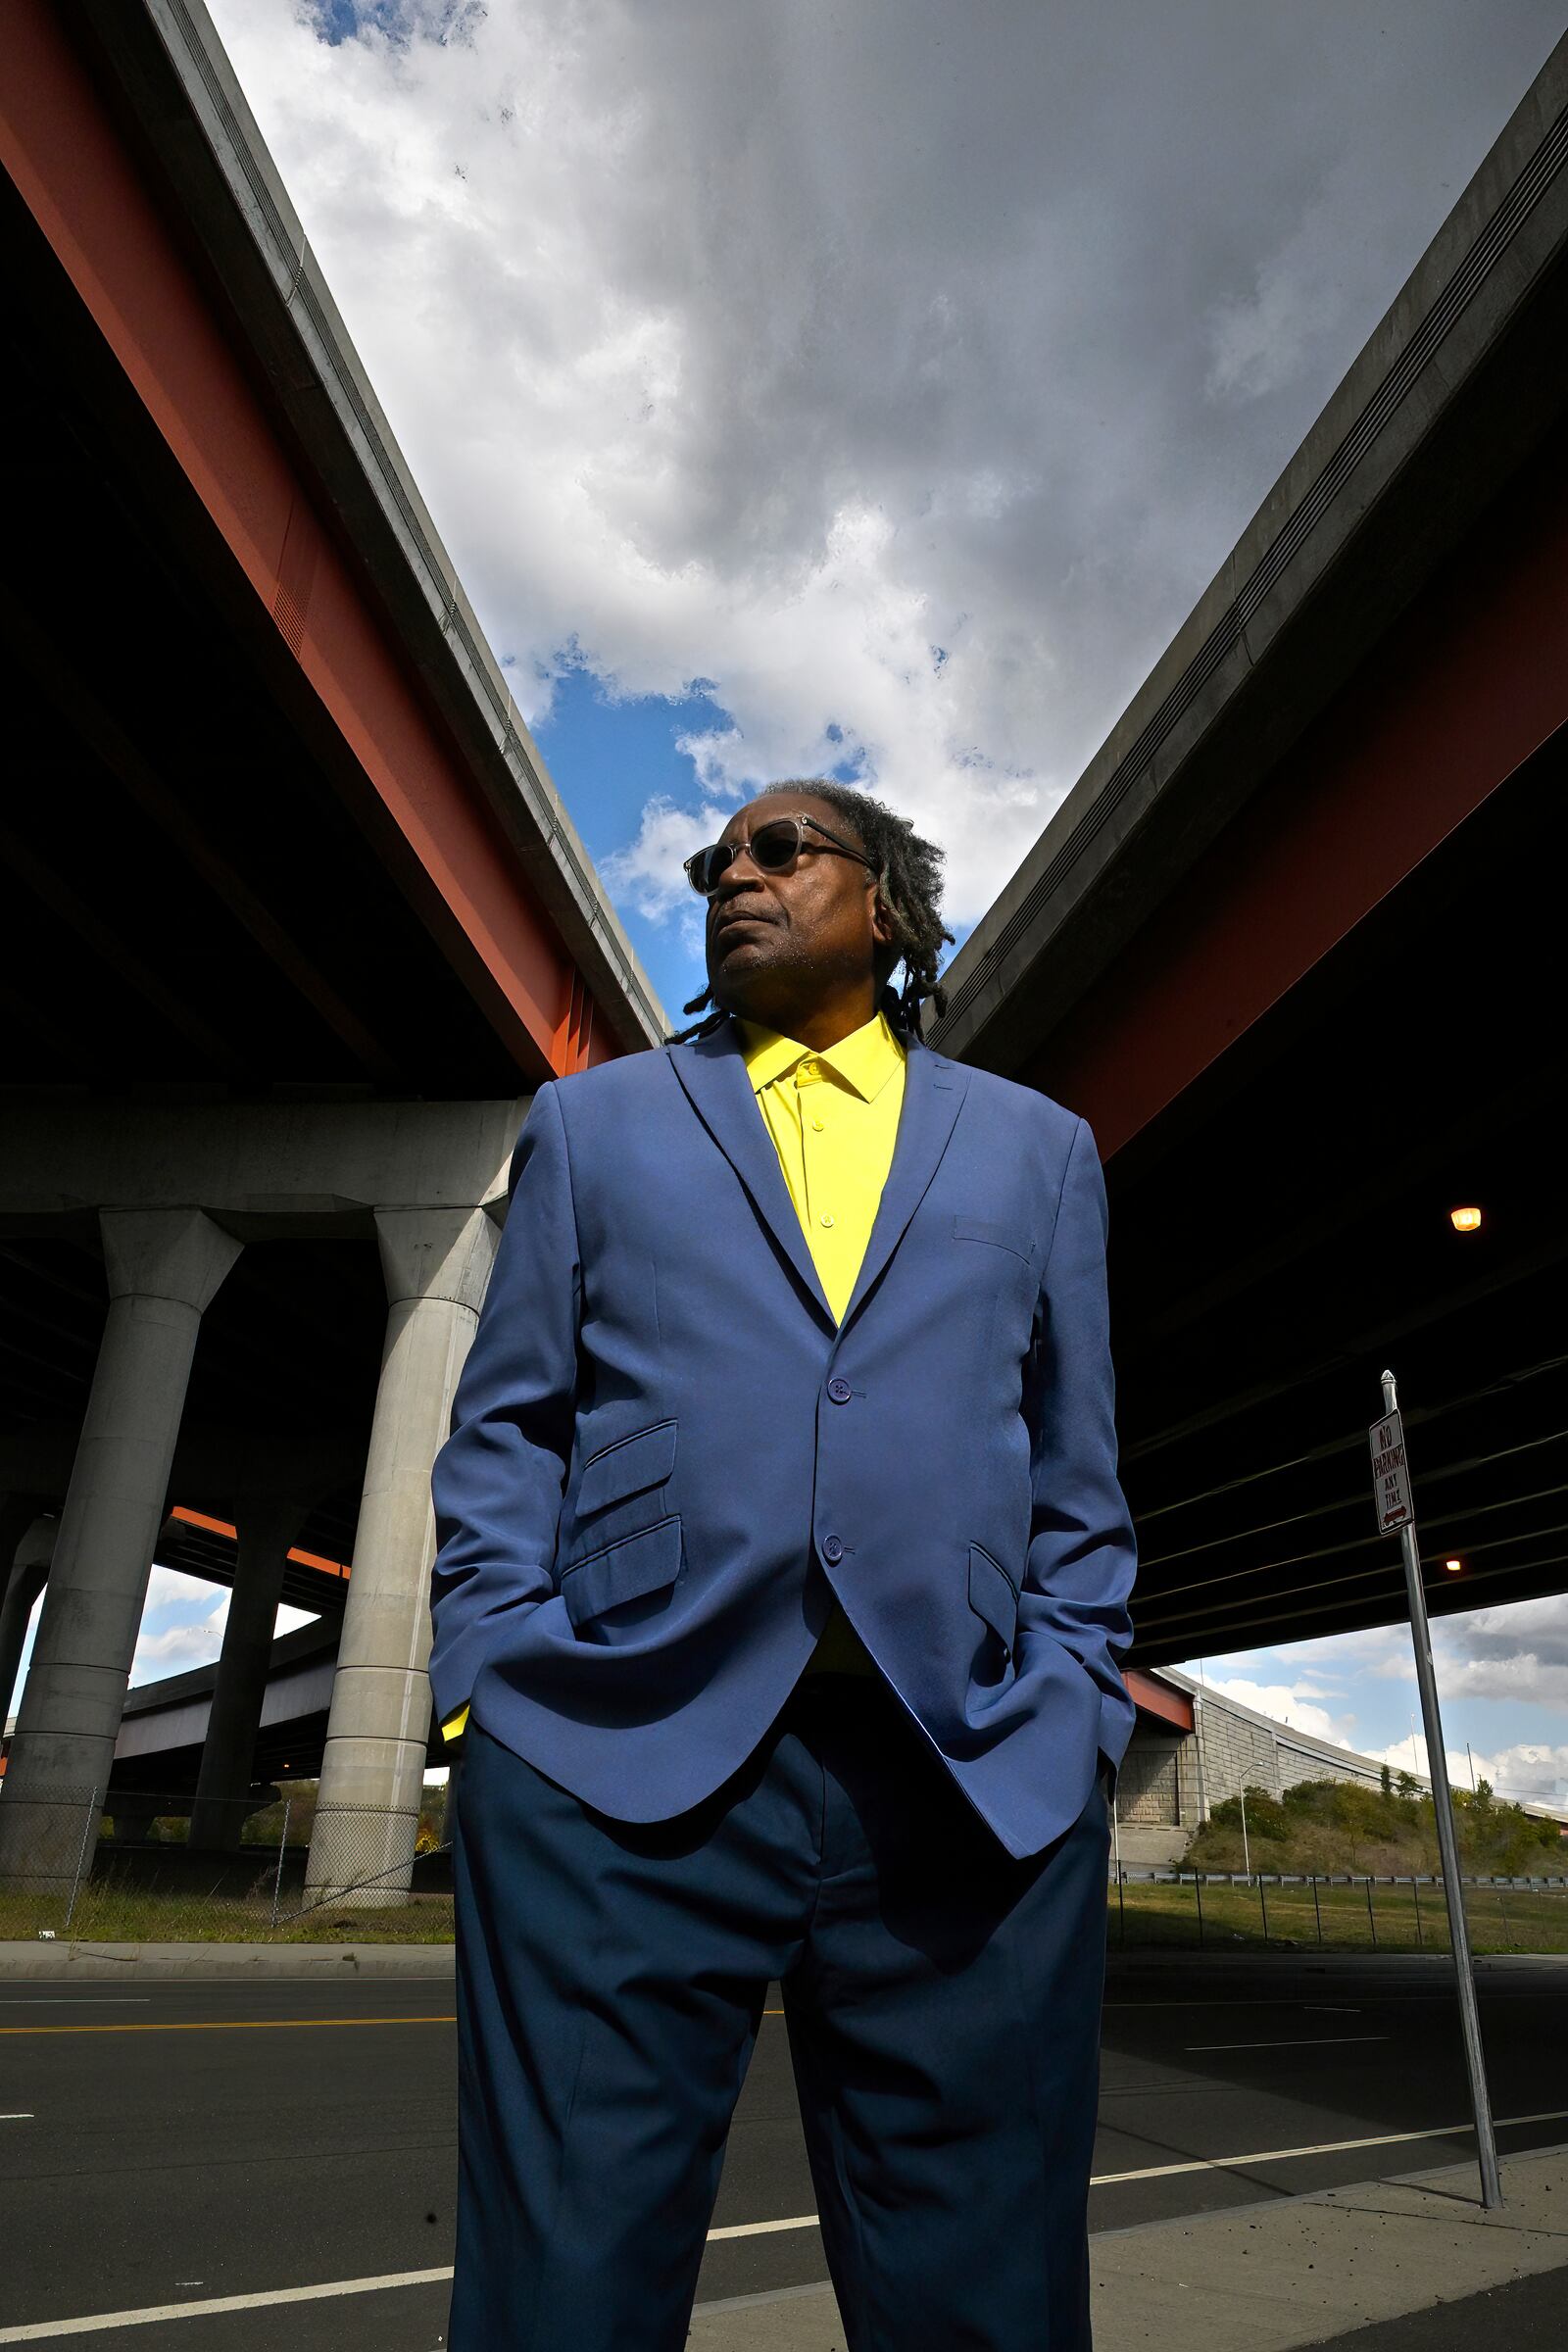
<point x="933" y="1095"/>
<point x="712" y="1071"/>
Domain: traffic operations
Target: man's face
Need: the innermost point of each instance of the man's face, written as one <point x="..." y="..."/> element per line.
<point x="783" y="947"/>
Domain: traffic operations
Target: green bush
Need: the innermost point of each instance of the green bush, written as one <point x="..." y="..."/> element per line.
<point x="1346" y="1825"/>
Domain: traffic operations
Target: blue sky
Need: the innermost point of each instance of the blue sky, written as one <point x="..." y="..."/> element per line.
<point x="608" y="754"/>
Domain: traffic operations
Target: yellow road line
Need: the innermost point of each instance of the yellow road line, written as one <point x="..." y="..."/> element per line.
<point x="249" y="2025"/>
<point x="233" y="2025"/>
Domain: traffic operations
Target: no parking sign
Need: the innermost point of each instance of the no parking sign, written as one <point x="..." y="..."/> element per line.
<point x="1391" y="1475"/>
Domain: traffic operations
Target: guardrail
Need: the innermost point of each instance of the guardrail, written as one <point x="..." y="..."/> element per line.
<point x="1331" y="1910"/>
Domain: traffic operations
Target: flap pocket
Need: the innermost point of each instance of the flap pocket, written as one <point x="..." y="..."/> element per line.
<point x="629" y="1570"/>
<point x="994" y="1596"/>
<point x="627" y="1467"/>
<point x="1000" y="1237"/>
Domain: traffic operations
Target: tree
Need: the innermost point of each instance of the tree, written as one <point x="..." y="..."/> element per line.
<point x="1386" y="1778"/>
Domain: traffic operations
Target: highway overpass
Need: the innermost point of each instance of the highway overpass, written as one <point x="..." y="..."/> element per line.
<point x="1292" y="945"/>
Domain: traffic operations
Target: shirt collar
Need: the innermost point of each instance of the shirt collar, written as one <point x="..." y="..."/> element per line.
<point x="864" y="1060"/>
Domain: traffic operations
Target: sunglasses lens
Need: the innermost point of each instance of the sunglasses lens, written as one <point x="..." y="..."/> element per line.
<point x="774" y="848"/>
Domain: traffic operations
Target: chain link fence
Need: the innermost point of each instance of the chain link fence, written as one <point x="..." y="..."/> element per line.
<point x="151" y="1867"/>
<point x="143" y="1866"/>
<point x="1213" y="1911"/>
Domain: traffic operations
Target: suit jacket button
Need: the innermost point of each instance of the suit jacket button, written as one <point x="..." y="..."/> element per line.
<point x="832" y="1549"/>
<point x="839" y="1388"/>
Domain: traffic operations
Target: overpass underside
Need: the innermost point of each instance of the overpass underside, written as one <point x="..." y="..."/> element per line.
<point x="1295" y="945"/>
<point x="1284" y="1233"/>
<point x="297" y="923"/>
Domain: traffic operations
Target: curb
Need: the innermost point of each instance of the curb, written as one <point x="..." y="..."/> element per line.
<point x="42" y="1963"/>
<point x="1308" y="1957"/>
<point x="334" y="1963"/>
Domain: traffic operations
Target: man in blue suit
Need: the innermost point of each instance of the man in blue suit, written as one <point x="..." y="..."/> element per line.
<point x="782" y="1581"/>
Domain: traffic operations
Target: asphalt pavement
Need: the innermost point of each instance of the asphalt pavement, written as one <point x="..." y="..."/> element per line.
<point x="286" y="2150"/>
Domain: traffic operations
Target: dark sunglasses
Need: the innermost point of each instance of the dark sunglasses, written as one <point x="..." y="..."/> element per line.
<point x="773" y="849"/>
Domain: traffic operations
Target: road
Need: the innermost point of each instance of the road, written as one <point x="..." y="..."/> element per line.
<point x="178" y="2143"/>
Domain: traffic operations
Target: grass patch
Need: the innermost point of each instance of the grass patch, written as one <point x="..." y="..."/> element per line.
<point x="1215" y="1916"/>
<point x="1183" y="1915"/>
<point x="156" y="1915"/>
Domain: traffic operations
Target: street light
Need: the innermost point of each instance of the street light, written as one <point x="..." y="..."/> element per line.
<point x="1465" y="1220"/>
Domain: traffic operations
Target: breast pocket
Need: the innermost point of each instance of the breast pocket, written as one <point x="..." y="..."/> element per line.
<point x="998" y="1237"/>
<point x="1003" y="1266"/>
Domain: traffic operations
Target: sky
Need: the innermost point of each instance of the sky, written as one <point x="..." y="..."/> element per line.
<point x="872" y="391"/>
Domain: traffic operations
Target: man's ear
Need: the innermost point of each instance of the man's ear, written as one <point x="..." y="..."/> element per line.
<point x="881" y="918"/>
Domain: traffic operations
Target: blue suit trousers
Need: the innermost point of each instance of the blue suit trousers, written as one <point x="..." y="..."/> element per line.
<point x="942" y="2000"/>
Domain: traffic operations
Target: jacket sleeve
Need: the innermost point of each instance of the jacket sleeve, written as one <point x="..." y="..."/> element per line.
<point x="497" y="1480"/>
<point x="1082" y="1551"/>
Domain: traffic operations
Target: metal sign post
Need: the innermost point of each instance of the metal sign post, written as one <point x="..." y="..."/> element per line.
<point x="1391" y="1482"/>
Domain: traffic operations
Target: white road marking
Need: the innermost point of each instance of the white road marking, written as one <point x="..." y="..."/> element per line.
<point x="22" y="2115"/>
<point x="1271" y="2000"/>
<point x="1331" y="2008"/>
<point x="802" y="2221"/>
<point x="47" y="2330"/>
<point x="75" y="2000"/>
<point x="43" y="2331"/>
<point x="1322" y="2147"/>
<point x="1313" y="2041"/>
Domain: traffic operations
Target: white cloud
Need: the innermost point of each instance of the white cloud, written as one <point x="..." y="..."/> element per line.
<point x="1529" y="1771"/>
<point x="1519" y="1651"/>
<point x="192" y="1640"/>
<point x="648" y="872"/>
<point x="1287" y="1702"/>
<point x="900" y="370"/>
<point x="193" y="1636"/>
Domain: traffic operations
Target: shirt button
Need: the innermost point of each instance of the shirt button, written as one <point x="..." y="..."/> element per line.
<point x="827" y="1220"/>
<point x="817" y="1124"/>
<point x="839" y="1388"/>
<point x="832" y="1549"/>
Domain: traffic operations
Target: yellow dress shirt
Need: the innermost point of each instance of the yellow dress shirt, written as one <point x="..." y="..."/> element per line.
<point x="834" y="1119"/>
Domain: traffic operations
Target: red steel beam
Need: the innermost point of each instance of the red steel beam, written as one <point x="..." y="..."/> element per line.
<point x="1163" y="1700"/>
<point x="227" y="1527"/>
<point x="1471" y="681"/>
<point x="67" y="158"/>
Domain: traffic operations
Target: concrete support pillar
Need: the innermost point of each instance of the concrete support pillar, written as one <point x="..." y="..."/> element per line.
<point x="134" y="1818"/>
<point x="437" y="1263"/>
<point x="163" y="1266"/>
<point x="266" y="1529"/>
<point x="26" y="1544"/>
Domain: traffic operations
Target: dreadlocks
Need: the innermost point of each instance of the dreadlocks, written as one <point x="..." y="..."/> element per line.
<point x="908" y="882"/>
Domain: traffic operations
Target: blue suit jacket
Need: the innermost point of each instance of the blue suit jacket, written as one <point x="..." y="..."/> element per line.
<point x="664" y="1453"/>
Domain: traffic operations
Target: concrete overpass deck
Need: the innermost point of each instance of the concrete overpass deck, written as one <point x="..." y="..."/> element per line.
<point x="1292" y="946"/>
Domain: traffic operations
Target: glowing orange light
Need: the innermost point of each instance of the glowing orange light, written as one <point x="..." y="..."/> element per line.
<point x="1453" y="1566"/>
<point x="1465" y="1220"/>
